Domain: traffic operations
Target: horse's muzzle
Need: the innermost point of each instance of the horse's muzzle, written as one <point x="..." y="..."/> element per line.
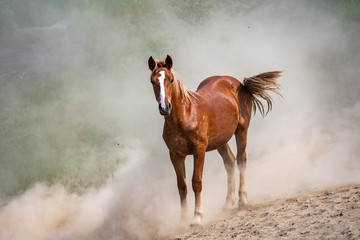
<point x="165" y="111"/>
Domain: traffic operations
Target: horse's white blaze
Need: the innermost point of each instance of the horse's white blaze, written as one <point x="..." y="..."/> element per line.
<point x="162" y="88"/>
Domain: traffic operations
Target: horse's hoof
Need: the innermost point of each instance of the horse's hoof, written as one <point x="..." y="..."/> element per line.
<point x="229" y="204"/>
<point x="243" y="202"/>
<point x="196" y="222"/>
<point x="228" y="207"/>
<point x="243" y="199"/>
<point x="243" y="205"/>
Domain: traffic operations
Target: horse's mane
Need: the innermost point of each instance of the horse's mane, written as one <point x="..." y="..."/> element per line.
<point x="179" y="88"/>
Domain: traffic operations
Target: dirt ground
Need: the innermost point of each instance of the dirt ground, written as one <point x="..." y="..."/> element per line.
<point x="330" y="214"/>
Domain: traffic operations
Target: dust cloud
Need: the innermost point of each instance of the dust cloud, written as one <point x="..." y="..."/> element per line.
<point x="310" y="141"/>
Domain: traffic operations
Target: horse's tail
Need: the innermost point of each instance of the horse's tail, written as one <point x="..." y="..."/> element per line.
<point x="259" y="86"/>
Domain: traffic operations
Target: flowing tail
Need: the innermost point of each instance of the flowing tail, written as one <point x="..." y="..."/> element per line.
<point x="259" y="86"/>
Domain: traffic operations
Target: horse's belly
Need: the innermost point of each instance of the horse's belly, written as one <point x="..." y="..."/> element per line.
<point x="221" y="136"/>
<point x="222" y="126"/>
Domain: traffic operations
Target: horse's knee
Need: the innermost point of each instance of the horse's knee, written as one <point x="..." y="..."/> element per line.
<point x="197" y="185"/>
<point x="241" y="158"/>
<point x="183" y="192"/>
<point x="182" y="189"/>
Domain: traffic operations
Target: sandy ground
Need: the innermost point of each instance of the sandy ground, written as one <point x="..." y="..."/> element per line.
<point x="330" y="214"/>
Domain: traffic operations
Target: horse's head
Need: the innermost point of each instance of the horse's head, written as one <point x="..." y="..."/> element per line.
<point x="162" y="80"/>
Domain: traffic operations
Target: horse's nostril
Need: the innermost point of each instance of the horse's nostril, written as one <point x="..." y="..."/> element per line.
<point x="166" y="110"/>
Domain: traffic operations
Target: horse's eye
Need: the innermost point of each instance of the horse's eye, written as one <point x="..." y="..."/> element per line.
<point x="172" y="80"/>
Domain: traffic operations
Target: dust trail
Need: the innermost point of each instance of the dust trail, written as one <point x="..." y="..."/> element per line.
<point x="138" y="203"/>
<point x="48" y="212"/>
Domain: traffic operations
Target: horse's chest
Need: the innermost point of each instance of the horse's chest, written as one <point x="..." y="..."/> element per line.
<point x="178" y="139"/>
<point x="177" y="143"/>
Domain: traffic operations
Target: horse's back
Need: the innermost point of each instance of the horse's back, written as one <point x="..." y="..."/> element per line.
<point x="219" y="84"/>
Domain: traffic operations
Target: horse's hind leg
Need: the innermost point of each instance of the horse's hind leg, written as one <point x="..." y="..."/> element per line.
<point x="241" y="138"/>
<point x="229" y="162"/>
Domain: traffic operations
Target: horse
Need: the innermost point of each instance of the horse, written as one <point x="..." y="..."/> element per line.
<point x="205" y="120"/>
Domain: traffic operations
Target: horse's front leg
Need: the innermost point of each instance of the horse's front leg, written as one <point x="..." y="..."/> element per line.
<point x="199" y="157"/>
<point x="179" y="166"/>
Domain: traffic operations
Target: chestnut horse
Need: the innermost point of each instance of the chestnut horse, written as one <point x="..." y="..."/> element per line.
<point x="205" y="120"/>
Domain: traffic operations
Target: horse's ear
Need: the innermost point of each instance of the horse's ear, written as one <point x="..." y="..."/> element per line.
<point x="151" y="63"/>
<point x="168" y="62"/>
